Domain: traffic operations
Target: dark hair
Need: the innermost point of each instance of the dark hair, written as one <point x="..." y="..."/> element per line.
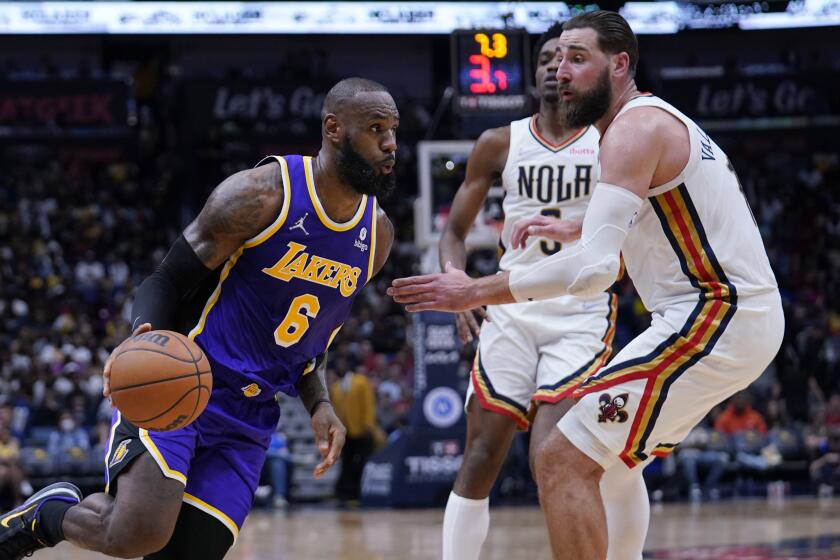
<point x="552" y="32"/>
<point x="347" y="89"/>
<point x="614" y="34"/>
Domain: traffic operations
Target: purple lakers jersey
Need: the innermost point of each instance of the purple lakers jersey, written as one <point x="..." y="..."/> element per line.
<point x="285" y="293"/>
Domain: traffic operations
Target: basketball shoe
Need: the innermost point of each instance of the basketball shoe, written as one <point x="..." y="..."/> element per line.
<point x="21" y="533"/>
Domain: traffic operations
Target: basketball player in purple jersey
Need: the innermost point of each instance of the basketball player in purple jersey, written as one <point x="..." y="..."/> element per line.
<point x="262" y="280"/>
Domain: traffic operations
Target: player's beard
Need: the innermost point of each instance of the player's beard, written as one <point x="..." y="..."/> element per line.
<point x="590" y="105"/>
<point x="360" y="175"/>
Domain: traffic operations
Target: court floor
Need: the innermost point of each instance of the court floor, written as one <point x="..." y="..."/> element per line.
<point x="754" y="530"/>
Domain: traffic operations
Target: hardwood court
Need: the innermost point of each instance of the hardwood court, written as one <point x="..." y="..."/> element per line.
<point x="794" y="528"/>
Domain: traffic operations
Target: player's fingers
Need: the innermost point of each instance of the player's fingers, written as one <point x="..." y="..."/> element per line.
<point x="322" y="442"/>
<point x="339" y="434"/>
<point x="408" y="289"/>
<point x="414" y="298"/>
<point x="519" y="234"/>
<point x="145" y="327"/>
<point x="482" y="312"/>
<point x="106" y="377"/>
<point x="323" y="466"/>
<point x="547" y="231"/>
<point x="515" y="236"/>
<point x="426" y="306"/>
<point x="337" y="438"/>
<point x="473" y="324"/>
<point x="463" y="328"/>
<point x="425" y="279"/>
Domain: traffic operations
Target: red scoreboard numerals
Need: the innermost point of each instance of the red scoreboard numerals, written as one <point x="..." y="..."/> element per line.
<point x="481" y="75"/>
<point x="486" y="79"/>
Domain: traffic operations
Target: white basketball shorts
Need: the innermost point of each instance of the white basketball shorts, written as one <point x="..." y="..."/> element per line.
<point x="658" y="387"/>
<point x="540" y="351"/>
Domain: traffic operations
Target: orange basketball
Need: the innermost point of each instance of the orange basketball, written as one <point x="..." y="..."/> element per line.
<point x="160" y="380"/>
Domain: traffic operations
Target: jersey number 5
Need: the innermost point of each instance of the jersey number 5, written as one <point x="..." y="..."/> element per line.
<point x="296" y="323"/>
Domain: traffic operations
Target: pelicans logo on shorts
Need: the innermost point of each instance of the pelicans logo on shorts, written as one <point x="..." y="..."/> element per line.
<point x="611" y="408"/>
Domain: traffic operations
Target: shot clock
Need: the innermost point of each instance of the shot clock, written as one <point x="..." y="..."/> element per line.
<point x="490" y="70"/>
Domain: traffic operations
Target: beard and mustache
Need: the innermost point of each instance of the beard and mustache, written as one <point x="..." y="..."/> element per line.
<point x="590" y="105"/>
<point x="354" y="170"/>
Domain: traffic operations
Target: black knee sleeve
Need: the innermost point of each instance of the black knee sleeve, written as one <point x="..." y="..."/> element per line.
<point x="197" y="536"/>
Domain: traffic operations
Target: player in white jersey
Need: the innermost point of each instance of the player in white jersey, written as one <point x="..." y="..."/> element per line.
<point x="669" y="200"/>
<point x="531" y="353"/>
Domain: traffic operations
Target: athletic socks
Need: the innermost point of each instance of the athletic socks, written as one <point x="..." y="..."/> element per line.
<point x="465" y="525"/>
<point x="623" y="491"/>
<point x="625" y="498"/>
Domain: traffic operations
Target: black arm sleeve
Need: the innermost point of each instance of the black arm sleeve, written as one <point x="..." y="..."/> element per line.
<point x="157" y="299"/>
<point x="312" y="387"/>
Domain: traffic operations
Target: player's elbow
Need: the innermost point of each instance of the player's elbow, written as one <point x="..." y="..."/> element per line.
<point x="454" y="232"/>
<point x="596" y="278"/>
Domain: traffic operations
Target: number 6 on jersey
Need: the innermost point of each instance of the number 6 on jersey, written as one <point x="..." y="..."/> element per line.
<point x="296" y="322"/>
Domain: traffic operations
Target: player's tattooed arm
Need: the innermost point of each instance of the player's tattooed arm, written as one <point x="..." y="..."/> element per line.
<point x="239" y="208"/>
<point x="384" y="241"/>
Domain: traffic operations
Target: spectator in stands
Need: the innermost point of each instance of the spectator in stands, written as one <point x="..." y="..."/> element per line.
<point x="12" y="481"/>
<point x="825" y="470"/>
<point x="706" y="450"/>
<point x="101" y="434"/>
<point x="68" y="438"/>
<point x="355" y="404"/>
<point x="740" y="416"/>
<point x="832" y="412"/>
<point x="45" y="411"/>
<point x="278" y="459"/>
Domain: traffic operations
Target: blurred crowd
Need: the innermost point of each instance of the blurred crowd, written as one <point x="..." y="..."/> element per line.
<point x="79" y="232"/>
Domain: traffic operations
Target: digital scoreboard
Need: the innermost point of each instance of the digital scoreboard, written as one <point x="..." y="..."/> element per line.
<point x="490" y="70"/>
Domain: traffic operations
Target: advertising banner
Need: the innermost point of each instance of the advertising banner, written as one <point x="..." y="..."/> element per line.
<point x="418" y="466"/>
<point x="58" y="107"/>
<point x="255" y="107"/>
<point x="756" y="101"/>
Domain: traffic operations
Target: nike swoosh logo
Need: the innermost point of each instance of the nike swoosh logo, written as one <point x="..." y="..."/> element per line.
<point x="7" y="519"/>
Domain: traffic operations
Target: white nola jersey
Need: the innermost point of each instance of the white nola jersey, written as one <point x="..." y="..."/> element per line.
<point x="695" y="235"/>
<point x="543" y="178"/>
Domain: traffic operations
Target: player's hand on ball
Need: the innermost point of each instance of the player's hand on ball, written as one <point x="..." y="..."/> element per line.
<point x="106" y="371"/>
<point x="445" y="291"/>
<point x="468" y="325"/>
<point x="562" y="231"/>
<point x="330" y="434"/>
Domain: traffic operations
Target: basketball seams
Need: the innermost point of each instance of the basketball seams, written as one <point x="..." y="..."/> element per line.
<point x="146" y="390"/>
<point x="187" y="348"/>
<point x="144" y="384"/>
<point x="176" y="358"/>
<point x="176" y="403"/>
<point x="197" y="373"/>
